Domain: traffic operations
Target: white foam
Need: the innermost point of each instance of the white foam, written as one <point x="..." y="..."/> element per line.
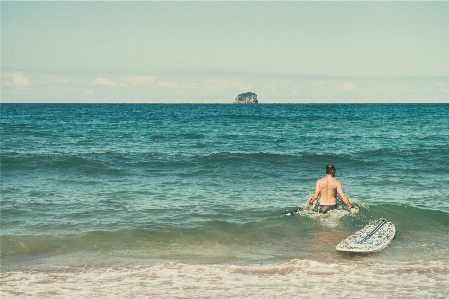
<point x="330" y="219"/>
<point x="295" y="278"/>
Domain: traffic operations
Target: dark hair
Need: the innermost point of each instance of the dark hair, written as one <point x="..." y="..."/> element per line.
<point x="330" y="168"/>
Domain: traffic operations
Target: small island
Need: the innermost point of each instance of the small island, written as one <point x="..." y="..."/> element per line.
<point x="246" y="98"/>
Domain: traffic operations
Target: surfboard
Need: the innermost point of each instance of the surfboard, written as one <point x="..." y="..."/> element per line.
<point x="372" y="237"/>
<point x="291" y="213"/>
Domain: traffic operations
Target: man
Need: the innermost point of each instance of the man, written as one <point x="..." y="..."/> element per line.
<point x="327" y="189"/>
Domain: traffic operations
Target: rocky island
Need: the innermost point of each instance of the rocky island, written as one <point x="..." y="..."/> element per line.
<point x="246" y="98"/>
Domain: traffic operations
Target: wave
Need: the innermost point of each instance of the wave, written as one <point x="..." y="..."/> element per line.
<point x="251" y="235"/>
<point x="190" y="280"/>
<point x="276" y="162"/>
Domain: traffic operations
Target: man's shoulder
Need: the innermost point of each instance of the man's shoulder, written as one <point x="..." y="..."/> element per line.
<point x="321" y="180"/>
<point x="337" y="182"/>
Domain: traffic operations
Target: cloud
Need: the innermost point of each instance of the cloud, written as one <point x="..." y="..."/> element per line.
<point x="274" y="84"/>
<point x="349" y="86"/>
<point x="149" y="82"/>
<point x="224" y="84"/>
<point x="403" y="87"/>
<point x="332" y="86"/>
<point x="344" y="86"/>
<point x="152" y="82"/>
<point x="141" y="80"/>
<point x="442" y="87"/>
<point x="15" y="79"/>
<point x="197" y="87"/>
<point x="104" y="82"/>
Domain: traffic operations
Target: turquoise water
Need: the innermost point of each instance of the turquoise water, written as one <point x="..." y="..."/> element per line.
<point x="129" y="183"/>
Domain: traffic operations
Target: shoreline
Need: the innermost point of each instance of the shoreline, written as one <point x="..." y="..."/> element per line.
<point x="309" y="279"/>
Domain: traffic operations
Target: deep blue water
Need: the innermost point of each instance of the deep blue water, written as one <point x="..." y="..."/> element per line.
<point x="208" y="182"/>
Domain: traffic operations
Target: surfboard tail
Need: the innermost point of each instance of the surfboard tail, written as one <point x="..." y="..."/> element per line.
<point x="291" y="213"/>
<point x="373" y="237"/>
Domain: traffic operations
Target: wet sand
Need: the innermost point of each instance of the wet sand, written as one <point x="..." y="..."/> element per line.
<point x="295" y="278"/>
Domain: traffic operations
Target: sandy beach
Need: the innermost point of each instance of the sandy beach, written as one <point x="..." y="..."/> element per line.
<point x="296" y="278"/>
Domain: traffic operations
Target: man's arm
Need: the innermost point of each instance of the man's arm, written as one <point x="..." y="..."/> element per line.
<point x="315" y="195"/>
<point x="343" y="196"/>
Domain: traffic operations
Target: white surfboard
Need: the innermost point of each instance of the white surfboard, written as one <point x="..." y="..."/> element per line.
<point x="373" y="237"/>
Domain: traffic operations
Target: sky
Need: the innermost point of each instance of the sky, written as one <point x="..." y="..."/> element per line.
<point x="211" y="51"/>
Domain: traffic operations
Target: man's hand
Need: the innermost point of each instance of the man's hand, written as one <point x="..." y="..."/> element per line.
<point x="354" y="210"/>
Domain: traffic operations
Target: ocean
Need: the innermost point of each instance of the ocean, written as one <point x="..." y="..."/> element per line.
<point x="185" y="200"/>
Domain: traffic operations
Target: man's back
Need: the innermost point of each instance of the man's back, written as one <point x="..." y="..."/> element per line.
<point x="326" y="190"/>
<point x="328" y="187"/>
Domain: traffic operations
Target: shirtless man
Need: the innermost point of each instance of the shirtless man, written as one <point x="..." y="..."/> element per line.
<point x="327" y="189"/>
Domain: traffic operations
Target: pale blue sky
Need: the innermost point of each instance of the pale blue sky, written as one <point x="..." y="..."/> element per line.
<point x="209" y="52"/>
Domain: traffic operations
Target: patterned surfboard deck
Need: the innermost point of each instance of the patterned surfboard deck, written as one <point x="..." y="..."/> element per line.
<point x="373" y="237"/>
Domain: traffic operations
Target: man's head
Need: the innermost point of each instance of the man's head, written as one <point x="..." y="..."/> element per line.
<point x="330" y="169"/>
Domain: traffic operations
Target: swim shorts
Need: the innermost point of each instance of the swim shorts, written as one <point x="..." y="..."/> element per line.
<point x="325" y="209"/>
